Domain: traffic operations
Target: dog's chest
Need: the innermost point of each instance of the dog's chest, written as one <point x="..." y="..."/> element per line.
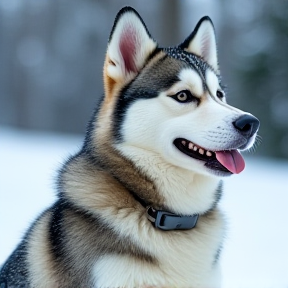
<point x="182" y="259"/>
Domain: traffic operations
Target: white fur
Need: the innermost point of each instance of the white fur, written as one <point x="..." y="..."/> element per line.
<point x="212" y="82"/>
<point x="185" y="191"/>
<point x="125" y="271"/>
<point x="117" y="271"/>
<point x="190" y="80"/>
<point x="178" y="264"/>
<point x="209" y="126"/>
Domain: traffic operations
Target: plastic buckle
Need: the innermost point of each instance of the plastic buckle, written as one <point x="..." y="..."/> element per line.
<point x="169" y="221"/>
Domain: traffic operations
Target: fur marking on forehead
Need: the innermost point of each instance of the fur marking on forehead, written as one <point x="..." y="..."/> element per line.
<point x="193" y="80"/>
<point x="189" y="58"/>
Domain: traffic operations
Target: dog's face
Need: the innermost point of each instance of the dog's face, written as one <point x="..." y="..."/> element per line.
<point x="171" y="101"/>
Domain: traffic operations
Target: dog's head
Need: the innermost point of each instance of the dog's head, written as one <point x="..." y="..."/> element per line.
<point x="170" y="101"/>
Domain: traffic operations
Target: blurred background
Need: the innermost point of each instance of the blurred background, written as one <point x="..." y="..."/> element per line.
<point x="52" y="53"/>
<point x="51" y="59"/>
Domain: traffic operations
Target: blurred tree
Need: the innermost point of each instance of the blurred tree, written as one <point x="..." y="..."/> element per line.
<point x="52" y="52"/>
<point x="263" y="74"/>
<point x="170" y="23"/>
<point x="253" y="45"/>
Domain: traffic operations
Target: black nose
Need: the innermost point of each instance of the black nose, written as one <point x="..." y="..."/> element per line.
<point x="247" y="125"/>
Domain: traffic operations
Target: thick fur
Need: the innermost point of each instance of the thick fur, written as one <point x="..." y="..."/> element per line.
<point x="97" y="234"/>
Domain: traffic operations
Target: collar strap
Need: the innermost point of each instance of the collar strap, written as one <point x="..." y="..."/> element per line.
<point x="170" y="221"/>
<point x="166" y="220"/>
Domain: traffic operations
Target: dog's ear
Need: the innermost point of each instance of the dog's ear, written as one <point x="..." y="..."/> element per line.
<point x="129" y="46"/>
<point x="202" y="42"/>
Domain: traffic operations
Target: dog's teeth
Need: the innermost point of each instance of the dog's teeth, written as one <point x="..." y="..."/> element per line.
<point x="201" y="151"/>
<point x="208" y="153"/>
<point x="183" y="142"/>
<point x="195" y="148"/>
<point x="190" y="145"/>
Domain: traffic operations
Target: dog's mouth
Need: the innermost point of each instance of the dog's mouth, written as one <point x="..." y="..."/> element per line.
<point x="226" y="161"/>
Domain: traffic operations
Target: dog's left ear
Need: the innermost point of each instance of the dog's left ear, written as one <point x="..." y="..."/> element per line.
<point x="130" y="44"/>
<point x="202" y="42"/>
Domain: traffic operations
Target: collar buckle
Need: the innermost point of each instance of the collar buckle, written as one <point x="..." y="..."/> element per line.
<point x="169" y="221"/>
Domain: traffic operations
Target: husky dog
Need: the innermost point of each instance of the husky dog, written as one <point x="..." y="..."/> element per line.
<point x="137" y="206"/>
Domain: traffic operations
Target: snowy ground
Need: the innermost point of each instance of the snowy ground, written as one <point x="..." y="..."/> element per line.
<point x="256" y="203"/>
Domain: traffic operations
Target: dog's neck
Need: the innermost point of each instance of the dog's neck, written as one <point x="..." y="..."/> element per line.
<point x="100" y="185"/>
<point x="178" y="190"/>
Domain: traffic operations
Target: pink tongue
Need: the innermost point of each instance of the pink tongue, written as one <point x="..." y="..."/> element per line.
<point x="232" y="160"/>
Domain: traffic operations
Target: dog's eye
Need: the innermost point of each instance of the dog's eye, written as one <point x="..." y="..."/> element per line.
<point x="182" y="96"/>
<point x="220" y="94"/>
<point x="185" y="96"/>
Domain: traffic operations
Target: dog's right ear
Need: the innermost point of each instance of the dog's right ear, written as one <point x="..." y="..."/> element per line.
<point x="130" y="44"/>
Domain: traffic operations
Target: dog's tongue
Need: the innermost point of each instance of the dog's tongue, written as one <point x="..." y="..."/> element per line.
<point x="232" y="160"/>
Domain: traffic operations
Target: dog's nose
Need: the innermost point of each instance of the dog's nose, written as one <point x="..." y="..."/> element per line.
<point x="247" y="125"/>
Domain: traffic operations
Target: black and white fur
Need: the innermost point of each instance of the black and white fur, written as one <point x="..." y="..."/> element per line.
<point x="97" y="233"/>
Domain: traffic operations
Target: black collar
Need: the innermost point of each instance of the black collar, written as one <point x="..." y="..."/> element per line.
<point x="169" y="221"/>
<point x="166" y="220"/>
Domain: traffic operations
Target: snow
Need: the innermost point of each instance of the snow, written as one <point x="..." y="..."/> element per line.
<point x="255" y="202"/>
